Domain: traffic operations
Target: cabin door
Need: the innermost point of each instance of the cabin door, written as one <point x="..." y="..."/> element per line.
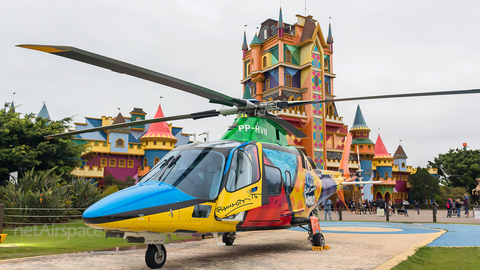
<point x="244" y="187"/>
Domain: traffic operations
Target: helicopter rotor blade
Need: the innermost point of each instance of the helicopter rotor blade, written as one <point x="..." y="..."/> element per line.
<point x="288" y="104"/>
<point x="136" y="71"/>
<point x="194" y="116"/>
<point x="289" y="127"/>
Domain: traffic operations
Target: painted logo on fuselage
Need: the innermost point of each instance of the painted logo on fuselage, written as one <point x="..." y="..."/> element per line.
<point x="309" y="190"/>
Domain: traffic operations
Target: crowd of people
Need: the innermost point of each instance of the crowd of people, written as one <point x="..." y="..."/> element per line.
<point x="454" y="207"/>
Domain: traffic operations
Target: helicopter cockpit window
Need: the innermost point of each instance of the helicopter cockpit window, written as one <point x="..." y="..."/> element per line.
<point x="244" y="168"/>
<point x="197" y="172"/>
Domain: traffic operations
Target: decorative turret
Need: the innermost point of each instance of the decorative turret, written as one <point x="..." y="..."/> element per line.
<point x="255" y="42"/>
<point x="244" y="45"/>
<point x="44" y="112"/>
<point x="361" y="133"/>
<point x="157" y="141"/>
<point x="382" y="160"/>
<point x="281" y="25"/>
<point x="137" y="115"/>
<point x="400" y="159"/>
<point x="330" y="38"/>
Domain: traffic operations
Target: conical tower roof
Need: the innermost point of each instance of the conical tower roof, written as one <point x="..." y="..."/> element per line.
<point x="244" y="45"/>
<point x="280" y="20"/>
<point x="118" y="120"/>
<point x="44" y="112"/>
<point x="400" y="153"/>
<point x="380" y="150"/>
<point x="158" y="131"/>
<point x="330" y="37"/>
<point x="359" y="121"/>
<point x="255" y="41"/>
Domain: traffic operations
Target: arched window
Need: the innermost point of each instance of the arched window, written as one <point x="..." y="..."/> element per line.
<point x="253" y="90"/>
<point x="156" y="160"/>
<point x="330" y="110"/>
<point x="119" y="143"/>
<point x="288" y="57"/>
<point x="378" y="175"/>
<point x="248" y="70"/>
<point x="288" y="80"/>
<point x="403" y="164"/>
<point x="267" y="84"/>
<point x="145" y="162"/>
<point x="138" y="119"/>
<point x="386" y="175"/>
<point x="264" y="62"/>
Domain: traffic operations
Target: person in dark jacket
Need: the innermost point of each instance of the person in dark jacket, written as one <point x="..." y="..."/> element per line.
<point x="417" y="207"/>
<point x="458" y="207"/>
<point x="449" y="208"/>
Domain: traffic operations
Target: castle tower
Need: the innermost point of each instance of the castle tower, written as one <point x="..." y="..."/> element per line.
<point x="44" y="112"/>
<point x="382" y="163"/>
<point x="363" y="148"/>
<point x="287" y="62"/>
<point x="401" y="173"/>
<point x="157" y="141"/>
<point x="137" y="115"/>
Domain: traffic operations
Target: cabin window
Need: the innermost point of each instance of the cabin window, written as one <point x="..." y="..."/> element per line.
<point x="201" y="211"/>
<point x="288" y="57"/>
<point x="243" y="169"/>
<point x="289" y="183"/>
<point x="274" y="180"/>
<point x="288" y="80"/>
<point x="119" y="143"/>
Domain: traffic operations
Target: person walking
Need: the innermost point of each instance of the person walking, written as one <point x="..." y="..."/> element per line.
<point x="327" y="208"/>
<point x="449" y="207"/>
<point x="458" y="207"/>
<point x="466" y="204"/>
<point x="404" y="207"/>
<point x="417" y="207"/>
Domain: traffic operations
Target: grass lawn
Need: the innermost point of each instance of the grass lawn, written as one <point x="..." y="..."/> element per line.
<point x="464" y="258"/>
<point x="60" y="238"/>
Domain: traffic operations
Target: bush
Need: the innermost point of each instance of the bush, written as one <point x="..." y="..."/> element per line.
<point x="110" y="190"/>
<point x="36" y="190"/>
<point x="83" y="193"/>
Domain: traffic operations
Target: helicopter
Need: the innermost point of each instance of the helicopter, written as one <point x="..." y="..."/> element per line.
<point x="250" y="179"/>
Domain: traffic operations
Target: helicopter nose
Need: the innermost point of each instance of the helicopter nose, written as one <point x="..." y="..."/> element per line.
<point x="140" y="200"/>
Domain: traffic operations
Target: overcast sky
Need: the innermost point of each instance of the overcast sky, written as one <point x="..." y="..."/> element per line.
<point x="381" y="47"/>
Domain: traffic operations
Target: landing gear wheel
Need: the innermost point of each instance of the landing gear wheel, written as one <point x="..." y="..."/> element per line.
<point x="155" y="257"/>
<point x="228" y="238"/>
<point x="318" y="240"/>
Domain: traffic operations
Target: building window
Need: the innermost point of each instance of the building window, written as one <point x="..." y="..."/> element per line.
<point x="288" y="80"/>
<point x="156" y="160"/>
<point x="403" y="164"/>
<point x="369" y="147"/>
<point x="386" y="175"/>
<point x="327" y="88"/>
<point x="267" y="84"/>
<point x="119" y="143"/>
<point x="138" y="119"/>
<point x="163" y="143"/>
<point x="96" y="143"/>
<point x="248" y="70"/>
<point x="361" y="146"/>
<point x="288" y="57"/>
<point x="112" y="163"/>
<point x="327" y="65"/>
<point x="121" y="163"/>
<point x="145" y="162"/>
<point x="252" y="90"/>
<point x="103" y="162"/>
<point x="131" y="163"/>
<point x="154" y="143"/>
<point x="264" y="60"/>
<point x="377" y="175"/>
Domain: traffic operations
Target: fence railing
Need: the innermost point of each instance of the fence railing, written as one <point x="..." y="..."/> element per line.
<point x="36" y="216"/>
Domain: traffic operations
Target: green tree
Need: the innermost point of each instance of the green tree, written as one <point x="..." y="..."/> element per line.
<point x="23" y="146"/>
<point x="458" y="168"/>
<point x="423" y="185"/>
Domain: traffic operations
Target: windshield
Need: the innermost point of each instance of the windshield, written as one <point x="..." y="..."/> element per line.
<point x="195" y="170"/>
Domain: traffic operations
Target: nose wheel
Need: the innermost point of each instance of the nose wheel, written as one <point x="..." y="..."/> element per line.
<point x="228" y="238"/>
<point x="155" y="256"/>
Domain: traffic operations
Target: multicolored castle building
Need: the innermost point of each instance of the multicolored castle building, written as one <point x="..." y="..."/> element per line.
<point x="295" y="62"/>
<point x="125" y="152"/>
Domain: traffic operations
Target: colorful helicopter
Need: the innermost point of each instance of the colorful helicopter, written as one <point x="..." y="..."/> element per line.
<point x="249" y="180"/>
